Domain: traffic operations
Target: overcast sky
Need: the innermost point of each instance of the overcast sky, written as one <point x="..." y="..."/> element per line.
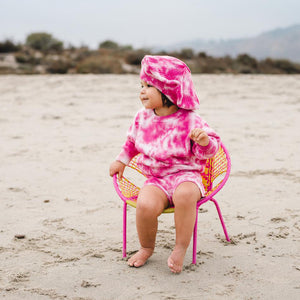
<point x="144" y="23"/>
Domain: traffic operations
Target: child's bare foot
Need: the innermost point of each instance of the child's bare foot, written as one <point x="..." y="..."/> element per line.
<point x="140" y="258"/>
<point x="175" y="260"/>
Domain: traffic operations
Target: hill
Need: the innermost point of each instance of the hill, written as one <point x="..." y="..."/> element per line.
<point x="281" y="43"/>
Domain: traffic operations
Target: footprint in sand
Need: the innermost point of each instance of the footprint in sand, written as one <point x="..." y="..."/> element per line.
<point x="234" y="271"/>
<point x="234" y="240"/>
<point x="87" y="284"/>
<point x="282" y="233"/>
<point x="20" y="277"/>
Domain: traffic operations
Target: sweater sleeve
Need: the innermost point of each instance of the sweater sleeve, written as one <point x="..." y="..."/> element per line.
<point x="129" y="149"/>
<point x="205" y="152"/>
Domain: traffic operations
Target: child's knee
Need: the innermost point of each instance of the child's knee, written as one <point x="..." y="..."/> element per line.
<point x="186" y="193"/>
<point x="151" y="201"/>
<point x="147" y="209"/>
<point x="143" y="205"/>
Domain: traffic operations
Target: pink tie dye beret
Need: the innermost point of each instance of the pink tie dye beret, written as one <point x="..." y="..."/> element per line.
<point x="172" y="77"/>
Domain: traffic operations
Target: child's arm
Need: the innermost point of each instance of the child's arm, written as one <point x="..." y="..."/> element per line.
<point x="206" y="142"/>
<point x="128" y="152"/>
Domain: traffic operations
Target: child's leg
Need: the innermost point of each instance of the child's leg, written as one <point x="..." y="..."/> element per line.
<point x="150" y="204"/>
<point x="185" y="198"/>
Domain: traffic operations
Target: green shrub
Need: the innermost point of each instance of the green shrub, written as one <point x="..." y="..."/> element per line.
<point x="126" y="48"/>
<point x="58" y="67"/>
<point x="162" y="52"/>
<point x="286" y="66"/>
<point x="135" y="57"/>
<point x="247" y="60"/>
<point x="202" y="54"/>
<point x="266" y="66"/>
<point x="44" y="42"/>
<point x="8" y="46"/>
<point x="80" y="54"/>
<point x="99" y="65"/>
<point x="278" y="66"/>
<point x="24" y="58"/>
<point x="109" y="45"/>
<point x="210" y="65"/>
<point x="186" y="53"/>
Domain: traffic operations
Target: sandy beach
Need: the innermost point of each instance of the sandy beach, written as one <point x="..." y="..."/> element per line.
<point x="61" y="220"/>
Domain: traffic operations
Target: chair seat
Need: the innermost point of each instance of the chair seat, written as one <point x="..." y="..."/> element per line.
<point x="133" y="204"/>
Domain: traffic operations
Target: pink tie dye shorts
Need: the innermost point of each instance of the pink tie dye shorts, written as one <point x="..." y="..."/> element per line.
<point x="169" y="183"/>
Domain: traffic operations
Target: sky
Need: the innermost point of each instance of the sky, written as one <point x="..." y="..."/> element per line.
<point x="152" y="23"/>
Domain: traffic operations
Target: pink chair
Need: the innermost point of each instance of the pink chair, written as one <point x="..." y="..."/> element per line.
<point x="214" y="177"/>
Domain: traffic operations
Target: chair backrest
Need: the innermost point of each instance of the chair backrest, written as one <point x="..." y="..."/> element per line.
<point x="215" y="167"/>
<point x="133" y="164"/>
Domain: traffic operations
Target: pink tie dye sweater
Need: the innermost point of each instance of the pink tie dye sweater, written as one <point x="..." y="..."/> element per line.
<point x="164" y="143"/>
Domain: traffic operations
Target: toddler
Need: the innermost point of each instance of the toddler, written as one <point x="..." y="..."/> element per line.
<point x="174" y="143"/>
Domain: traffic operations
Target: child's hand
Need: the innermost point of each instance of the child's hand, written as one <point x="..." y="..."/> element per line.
<point x="199" y="136"/>
<point x="117" y="167"/>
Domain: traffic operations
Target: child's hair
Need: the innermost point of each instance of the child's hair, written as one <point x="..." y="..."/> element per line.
<point x="165" y="100"/>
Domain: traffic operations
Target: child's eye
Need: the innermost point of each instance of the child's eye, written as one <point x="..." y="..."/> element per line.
<point x="146" y="85"/>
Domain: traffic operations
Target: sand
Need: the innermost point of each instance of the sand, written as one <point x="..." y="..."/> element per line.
<point x="61" y="221"/>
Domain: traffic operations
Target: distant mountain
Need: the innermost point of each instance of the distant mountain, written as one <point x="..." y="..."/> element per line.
<point x="281" y="43"/>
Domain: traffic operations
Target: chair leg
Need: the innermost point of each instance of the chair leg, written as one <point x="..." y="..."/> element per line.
<point x="124" y="228"/>
<point x="195" y="239"/>
<point x="221" y="219"/>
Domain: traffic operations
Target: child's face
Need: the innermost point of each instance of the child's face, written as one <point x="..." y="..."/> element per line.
<point x="150" y="96"/>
